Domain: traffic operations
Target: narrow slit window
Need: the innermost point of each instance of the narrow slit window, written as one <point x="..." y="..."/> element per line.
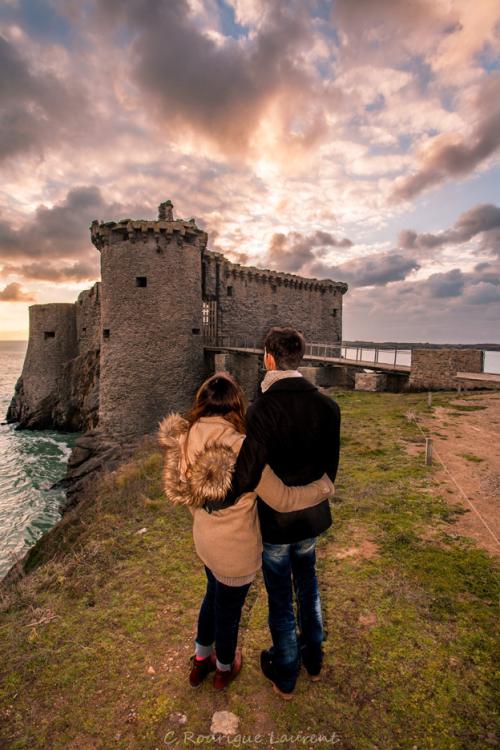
<point x="105" y="333"/>
<point x="334" y="312"/>
<point x="49" y="335"/>
<point x="230" y="291"/>
<point x="141" y="281"/>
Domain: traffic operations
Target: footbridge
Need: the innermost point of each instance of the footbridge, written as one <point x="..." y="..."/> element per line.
<point x="379" y="358"/>
<point x="370" y="367"/>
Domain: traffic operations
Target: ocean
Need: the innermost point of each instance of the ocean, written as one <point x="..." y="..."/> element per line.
<point x="30" y="462"/>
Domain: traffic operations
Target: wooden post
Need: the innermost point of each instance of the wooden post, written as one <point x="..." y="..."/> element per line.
<point x="429" y="399"/>
<point x="428" y="451"/>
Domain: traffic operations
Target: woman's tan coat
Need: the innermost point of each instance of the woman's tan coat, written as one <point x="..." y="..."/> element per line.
<point x="228" y="541"/>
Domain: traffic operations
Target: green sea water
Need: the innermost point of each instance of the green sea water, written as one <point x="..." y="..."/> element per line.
<point x="30" y="463"/>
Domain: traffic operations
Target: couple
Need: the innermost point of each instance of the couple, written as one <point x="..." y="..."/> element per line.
<point x="257" y="485"/>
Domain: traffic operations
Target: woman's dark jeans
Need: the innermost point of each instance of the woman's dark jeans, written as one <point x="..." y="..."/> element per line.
<point x="219" y="617"/>
<point x="287" y="567"/>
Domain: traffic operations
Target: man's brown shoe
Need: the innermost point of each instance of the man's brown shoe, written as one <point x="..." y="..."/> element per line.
<point x="267" y="666"/>
<point x="222" y="679"/>
<point x="200" y="668"/>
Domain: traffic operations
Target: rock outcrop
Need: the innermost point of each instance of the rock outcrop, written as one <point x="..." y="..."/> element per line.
<point x="93" y="453"/>
<point x="71" y="406"/>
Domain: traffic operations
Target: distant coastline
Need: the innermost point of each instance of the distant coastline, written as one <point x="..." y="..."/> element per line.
<point x="358" y="342"/>
<point x="420" y="345"/>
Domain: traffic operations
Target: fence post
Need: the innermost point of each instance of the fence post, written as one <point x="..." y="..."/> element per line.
<point x="429" y="399"/>
<point x="428" y="451"/>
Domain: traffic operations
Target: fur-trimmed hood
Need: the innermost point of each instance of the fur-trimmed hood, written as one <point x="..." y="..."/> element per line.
<point x="209" y="474"/>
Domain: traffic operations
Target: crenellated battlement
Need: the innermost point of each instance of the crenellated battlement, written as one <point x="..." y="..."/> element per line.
<point x="141" y="230"/>
<point x="279" y="278"/>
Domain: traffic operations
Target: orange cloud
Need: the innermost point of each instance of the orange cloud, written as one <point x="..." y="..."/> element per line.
<point x="13" y="293"/>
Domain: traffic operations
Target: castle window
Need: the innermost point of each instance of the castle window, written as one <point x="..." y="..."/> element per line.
<point x="230" y="291"/>
<point x="49" y="335"/>
<point x="195" y="331"/>
<point x="141" y="281"/>
<point x="105" y="333"/>
<point x="334" y="312"/>
<point x="84" y="329"/>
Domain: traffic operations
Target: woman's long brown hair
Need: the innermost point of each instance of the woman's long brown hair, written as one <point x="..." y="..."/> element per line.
<point x="219" y="395"/>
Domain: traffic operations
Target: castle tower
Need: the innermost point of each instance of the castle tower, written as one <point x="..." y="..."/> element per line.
<point x="52" y="343"/>
<point x="151" y="320"/>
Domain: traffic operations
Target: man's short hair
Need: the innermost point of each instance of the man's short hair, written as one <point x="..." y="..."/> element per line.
<point x="287" y="345"/>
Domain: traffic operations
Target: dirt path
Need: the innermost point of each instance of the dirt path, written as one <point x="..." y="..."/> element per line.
<point x="466" y="437"/>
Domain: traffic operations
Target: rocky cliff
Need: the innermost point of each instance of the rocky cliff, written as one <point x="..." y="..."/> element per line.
<point x="72" y="405"/>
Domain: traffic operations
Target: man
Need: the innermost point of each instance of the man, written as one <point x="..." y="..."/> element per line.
<point x="296" y="430"/>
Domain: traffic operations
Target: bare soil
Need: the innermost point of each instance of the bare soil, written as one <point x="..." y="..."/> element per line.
<point x="468" y="444"/>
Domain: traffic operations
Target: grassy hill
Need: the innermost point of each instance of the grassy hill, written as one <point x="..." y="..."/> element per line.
<point x="95" y="640"/>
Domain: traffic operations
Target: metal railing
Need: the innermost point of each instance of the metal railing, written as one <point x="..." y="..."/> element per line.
<point x="343" y="350"/>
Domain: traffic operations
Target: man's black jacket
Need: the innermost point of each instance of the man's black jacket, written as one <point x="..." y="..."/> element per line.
<point x="296" y="430"/>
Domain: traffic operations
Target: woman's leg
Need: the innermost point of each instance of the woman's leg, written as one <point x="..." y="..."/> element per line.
<point x="205" y="635"/>
<point x="229" y="602"/>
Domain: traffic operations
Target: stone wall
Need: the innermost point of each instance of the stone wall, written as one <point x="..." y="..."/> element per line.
<point x="435" y="369"/>
<point x="52" y="343"/>
<point x="370" y="381"/>
<point x="88" y="319"/>
<point x="151" y="319"/>
<point x="248" y="369"/>
<point x="252" y="300"/>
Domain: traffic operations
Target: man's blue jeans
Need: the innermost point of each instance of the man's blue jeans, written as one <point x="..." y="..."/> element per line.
<point x="287" y="567"/>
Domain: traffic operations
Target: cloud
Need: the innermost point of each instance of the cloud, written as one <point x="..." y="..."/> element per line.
<point x="450" y="284"/>
<point x="38" y="107"/>
<point x="304" y="254"/>
<point x="216" y="86"/>
<point x="485" y="217"/>
<point x="58" y="232"/>
<point x="483" y="293"/>
<point x="377" y="269"/>
<point x="451" y="155"/>
<point x="79" y="271"/>
<point x="13" y="293"/>
<point x="292" y="251"/>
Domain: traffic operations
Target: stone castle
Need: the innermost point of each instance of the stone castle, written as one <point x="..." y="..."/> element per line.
<point x="132" y="347"/>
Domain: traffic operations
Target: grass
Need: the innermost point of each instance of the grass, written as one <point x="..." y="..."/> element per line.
<point x="471" y="457"/>
<point x="95" y="640"/>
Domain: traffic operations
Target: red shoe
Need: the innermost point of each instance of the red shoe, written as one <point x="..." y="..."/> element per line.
<point x="200" y="669"/>
<point x="222" y="679"/>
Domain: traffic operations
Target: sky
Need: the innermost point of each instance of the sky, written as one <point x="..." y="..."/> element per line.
<point x="356" y="141"/>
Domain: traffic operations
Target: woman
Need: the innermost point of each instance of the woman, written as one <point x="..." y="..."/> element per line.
<point x="201" y="450"/>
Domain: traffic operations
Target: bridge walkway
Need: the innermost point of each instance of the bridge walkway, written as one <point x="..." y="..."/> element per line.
<point x="326" y="357"/>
